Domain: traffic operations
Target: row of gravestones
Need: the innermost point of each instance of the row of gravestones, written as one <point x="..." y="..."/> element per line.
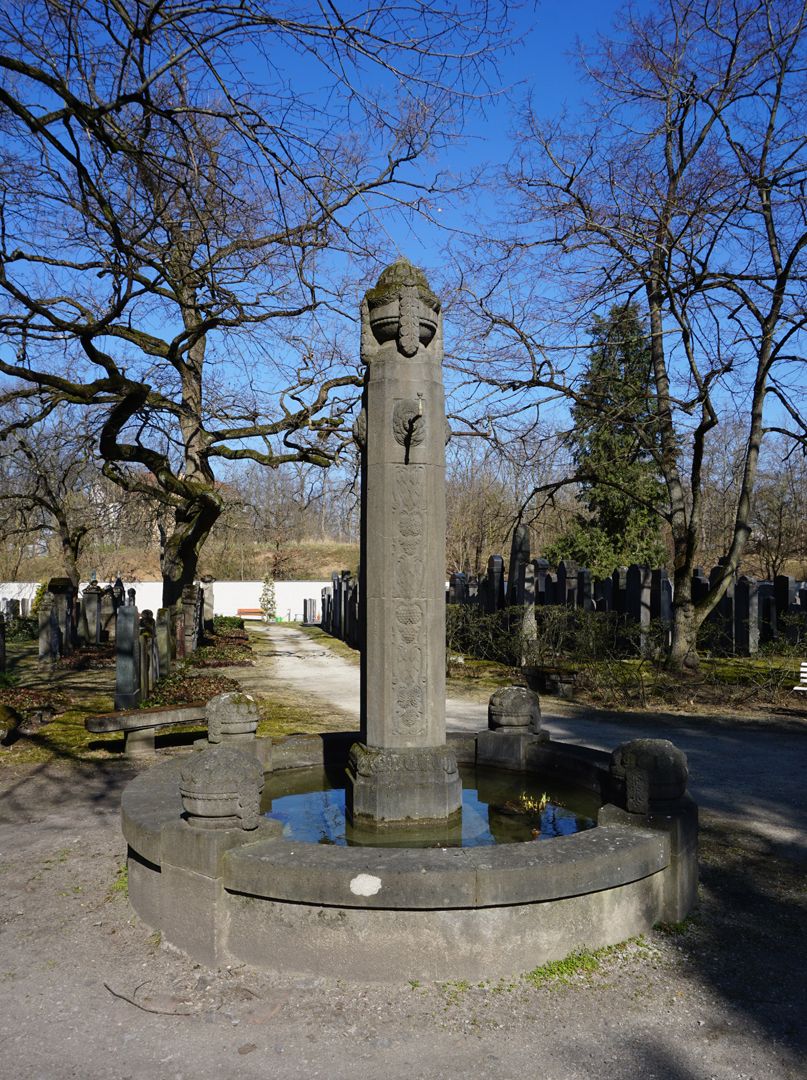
<point x="751" y="613"/>
<point x="340" y="608"/>
<point x="10" y="611"/>
<point x="147" y="646"/>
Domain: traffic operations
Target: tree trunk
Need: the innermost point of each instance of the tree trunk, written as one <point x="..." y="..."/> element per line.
<point x="184" y="544"/>
<point x="686" y="623"/>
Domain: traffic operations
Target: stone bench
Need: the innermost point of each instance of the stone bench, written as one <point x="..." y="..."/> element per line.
<point x="802" y="683"/>
<point x="250" y="613"/>
<point x="138" y="725"/>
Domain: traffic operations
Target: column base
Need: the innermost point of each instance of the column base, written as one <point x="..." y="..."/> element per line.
<point x="402" y="788"/>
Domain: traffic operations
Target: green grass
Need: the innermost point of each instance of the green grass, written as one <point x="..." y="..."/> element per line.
<point x="582" y="963"/>
<point x="120" y="886"/>
<point x="339" y="648"/>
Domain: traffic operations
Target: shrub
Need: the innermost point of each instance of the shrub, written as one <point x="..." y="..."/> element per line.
<point x="227" y="622"/>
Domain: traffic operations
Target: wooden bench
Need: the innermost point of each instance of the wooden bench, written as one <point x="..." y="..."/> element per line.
<point x="250" y="613"/>
<point x="802" y="683"/>
<point x="138" y="725"/>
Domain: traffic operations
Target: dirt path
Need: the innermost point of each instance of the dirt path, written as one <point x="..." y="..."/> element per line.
<point x="88" y="992"/>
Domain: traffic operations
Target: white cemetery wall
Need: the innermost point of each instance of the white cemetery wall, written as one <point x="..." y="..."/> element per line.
<point x="228" y="596"/>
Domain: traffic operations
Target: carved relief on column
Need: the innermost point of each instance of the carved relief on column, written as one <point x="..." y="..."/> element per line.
<point x="409" y="661"/>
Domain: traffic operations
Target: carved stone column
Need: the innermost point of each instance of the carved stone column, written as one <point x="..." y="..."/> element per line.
<point x="402" y="772"/>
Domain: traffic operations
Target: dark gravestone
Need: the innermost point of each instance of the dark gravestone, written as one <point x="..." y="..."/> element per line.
<point x="457" y="589"/>
<point x="700" y="586"/>
<point x="64" y="605"/>
<point x="619" y="580"/>
<point x="721" y="617"/>
<point x="106" y="628"/>
<point x="48" y="630"/>
<point x="163" y="639"/>
<point x="494" y="593"/>
<point x="91" y="607"/>
<point x="336" y="605"/>
<point x="604" y="594"/>
<point x="585" y="590"/>
<point x="746" y="617"/>
<point x="661" y="610"/>
<point x="190" y="606"/>
<point x="127" y="653"/>
<point x="784" y="590"/>
<point x="766" y="607"/>
<point x="345" y="600"/>
<point x="541" y="571"/>
<point x="637" y="600"/>
<point x="566" y="584"/>
<point x="519" y="557"/>
<point x="118" y="593"/>
<point x="148" y="676"/>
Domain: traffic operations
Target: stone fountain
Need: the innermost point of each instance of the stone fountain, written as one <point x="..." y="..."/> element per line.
<point x="220" y="880"/>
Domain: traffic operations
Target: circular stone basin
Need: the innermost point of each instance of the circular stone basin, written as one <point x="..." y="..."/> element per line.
<point x="388" y="913"/>
<point x="498" y="807"/>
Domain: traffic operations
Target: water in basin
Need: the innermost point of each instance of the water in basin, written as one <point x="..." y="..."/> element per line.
<point x="498" y="807"/>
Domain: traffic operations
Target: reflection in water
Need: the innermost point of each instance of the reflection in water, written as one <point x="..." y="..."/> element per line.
<point x="498" y="807"/>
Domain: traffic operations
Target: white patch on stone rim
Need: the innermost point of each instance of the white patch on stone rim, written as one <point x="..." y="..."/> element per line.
<point x="365" y="885"/>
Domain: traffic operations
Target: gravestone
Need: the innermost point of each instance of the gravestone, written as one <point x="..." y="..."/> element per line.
<point x="766" y="607"/>
<point x="541" y="574"/>
<point x="209" y="602"/>
<point x="619" y="586"/>
<point x="457" y="589"/>
<point x="637" y="600"/>
<point x="107" y="615"/>
<point x="402" y="771"/>
<point x="190" y="606"/>
<point x="519" y="557"/>
<point x="91" y="609"/>
<point x="127" y="659"/>
<point x="63" y="593"/>
<point x="494" y="592"/>
<point x="163" y="638"/>
<point x="746" y="617"/>
<point x="48" y="630"/>
<point x="585" y="589"/>
<point x="661" y="609"/>
<point x="721" y="618"/>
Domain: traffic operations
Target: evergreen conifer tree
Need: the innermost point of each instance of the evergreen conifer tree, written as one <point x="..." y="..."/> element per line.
<point x="612" y="441"/>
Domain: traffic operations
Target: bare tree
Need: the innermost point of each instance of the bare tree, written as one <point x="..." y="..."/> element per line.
<point x="175" y="236"/>
<point x="685" y="190"/>
<point x="49" y="488"/>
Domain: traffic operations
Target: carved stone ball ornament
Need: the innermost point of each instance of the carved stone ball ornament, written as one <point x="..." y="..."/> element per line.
<point x="231" y="714"/>
<point x="514" y="707"/>
<point x="221" y="789"/>
<point x="401" y="308"/>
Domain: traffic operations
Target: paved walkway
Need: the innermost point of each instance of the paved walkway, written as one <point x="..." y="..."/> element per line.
<point x="752" y="771"/>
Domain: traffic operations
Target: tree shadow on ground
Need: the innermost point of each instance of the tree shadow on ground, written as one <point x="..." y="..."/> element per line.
<point x="747" y="941"/>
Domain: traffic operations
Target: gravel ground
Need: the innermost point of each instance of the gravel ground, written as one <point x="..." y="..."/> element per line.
<point x="89" y="991"/>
